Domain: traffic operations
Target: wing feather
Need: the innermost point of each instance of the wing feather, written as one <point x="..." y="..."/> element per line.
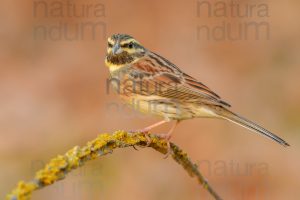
<point x="161" y="78"/>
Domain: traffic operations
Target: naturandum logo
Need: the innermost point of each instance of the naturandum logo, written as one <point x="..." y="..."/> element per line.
<point x="69" y="20"/>
<point x="232" y="21"/>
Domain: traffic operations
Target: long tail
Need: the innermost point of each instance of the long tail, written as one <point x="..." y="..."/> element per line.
<point x="228" y="115"/>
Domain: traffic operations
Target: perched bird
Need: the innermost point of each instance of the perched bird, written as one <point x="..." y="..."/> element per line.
<point x="152" y="84"/>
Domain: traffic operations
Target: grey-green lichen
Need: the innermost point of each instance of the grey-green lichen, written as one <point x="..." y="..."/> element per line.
<point x="104" y="144"/>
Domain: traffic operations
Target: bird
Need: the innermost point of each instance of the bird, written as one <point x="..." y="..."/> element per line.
<point x="153" y="85"/>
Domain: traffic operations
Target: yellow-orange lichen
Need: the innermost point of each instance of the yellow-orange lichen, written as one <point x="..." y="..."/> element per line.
<point x="59" y="166"/>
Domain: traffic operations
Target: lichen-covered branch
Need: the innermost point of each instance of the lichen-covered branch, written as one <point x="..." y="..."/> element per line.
<point x="59" y="166"/>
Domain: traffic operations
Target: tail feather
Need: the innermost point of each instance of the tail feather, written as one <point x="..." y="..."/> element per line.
<point x="228" y="115"/>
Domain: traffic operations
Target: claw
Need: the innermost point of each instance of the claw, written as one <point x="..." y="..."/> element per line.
<point x="169" y="152"/>
<point x="167" y="137"/>
<point x="134" y="147"/>
<point x="145" y="132"/>
<point x="148" y="140"/>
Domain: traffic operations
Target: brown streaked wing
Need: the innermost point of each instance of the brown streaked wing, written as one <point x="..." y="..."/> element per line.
<point x="194" y="83"/>
<point x="153" y="71"/>
<point x="198" y="86"/>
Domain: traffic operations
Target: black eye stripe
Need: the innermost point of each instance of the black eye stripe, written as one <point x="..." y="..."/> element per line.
<point x="109" y="44"/>
<point x="129" y="45"/>
<point x="125" y="45"/>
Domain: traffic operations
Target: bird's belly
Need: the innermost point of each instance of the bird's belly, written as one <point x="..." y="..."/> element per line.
<point x="167" y="109"/>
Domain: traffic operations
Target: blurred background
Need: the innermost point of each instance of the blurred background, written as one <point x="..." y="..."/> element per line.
<point x="53" y="95"/>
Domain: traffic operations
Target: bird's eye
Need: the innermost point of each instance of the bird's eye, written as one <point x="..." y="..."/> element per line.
<point x="130" y="45"/>
<point x="110" y="45"/>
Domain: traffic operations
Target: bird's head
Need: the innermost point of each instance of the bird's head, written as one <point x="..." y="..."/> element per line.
<point x="123" y="49"/>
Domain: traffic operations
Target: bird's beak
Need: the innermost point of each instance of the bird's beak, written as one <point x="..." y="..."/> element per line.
<point x="117" y="49"/>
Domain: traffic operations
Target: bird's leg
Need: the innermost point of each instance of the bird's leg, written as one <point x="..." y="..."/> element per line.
<point x="148" y="128"/>
<point x="168" y="136"/>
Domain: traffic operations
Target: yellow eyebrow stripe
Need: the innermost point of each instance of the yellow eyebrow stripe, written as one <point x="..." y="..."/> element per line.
<point x="128" y="41"/>
<point x="110" y="40"/>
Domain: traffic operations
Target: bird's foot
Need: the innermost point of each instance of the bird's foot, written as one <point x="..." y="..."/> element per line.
<point x="148" y="139"/>
<point x="146" y="134"/>
<point x="167" y="138"/>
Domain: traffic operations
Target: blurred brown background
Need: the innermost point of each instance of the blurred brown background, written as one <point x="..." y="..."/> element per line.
<point x="53" y="97"/>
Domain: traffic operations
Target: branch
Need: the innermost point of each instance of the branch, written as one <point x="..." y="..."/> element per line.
<point x="104" y="144"/>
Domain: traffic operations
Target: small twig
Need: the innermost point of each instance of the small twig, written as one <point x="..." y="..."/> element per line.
<point x="59" y="166"/>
